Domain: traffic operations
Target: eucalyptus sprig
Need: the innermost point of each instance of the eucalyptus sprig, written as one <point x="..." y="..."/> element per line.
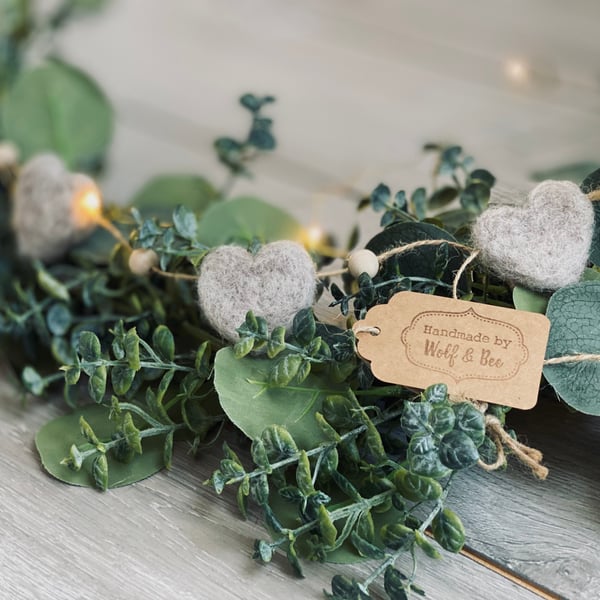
<point x="304" y="350"/>
<point x="374" y="486"/>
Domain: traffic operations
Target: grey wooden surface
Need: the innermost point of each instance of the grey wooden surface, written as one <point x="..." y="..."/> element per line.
<point x="166" y="537"/>
<point x="360" y="86"/>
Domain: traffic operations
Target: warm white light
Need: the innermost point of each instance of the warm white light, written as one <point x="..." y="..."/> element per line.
<point x="517" y="70"/>
<point x="87" y="205"/>
<point x="313" y="236"/>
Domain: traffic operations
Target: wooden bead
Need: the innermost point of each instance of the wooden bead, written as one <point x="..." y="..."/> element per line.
<point x="142" y="261"/>
<point x="363" y="261"/>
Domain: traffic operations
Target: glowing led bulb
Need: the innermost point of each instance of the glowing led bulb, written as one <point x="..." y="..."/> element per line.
<point x="87" y="203"/>
<point x="517" y="71"/>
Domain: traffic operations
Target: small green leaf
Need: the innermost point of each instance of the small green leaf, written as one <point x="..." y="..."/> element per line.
<point x="415" y="417"/>
<point x="53" y="287"/>
<point x="276" y="342"/>
<point x="470" y="421"/>
<point x="326" y="526"/>
<point x="33" y="381"/>
<point x="59" y="319"/>
<point x="380" y="197"/>
<point x="278" y="443"/>
<point x="100" y="472"/>
<point x="285" y="369"/>
<point x="442" y="419"/>
<point x="163" y="343"/>
<point x="259" y="489"/>
<point x="304" y="326"/>
<point x="396" y="536"/>
<point x="393" y="584"/>
<point x="303" y="474"/>
<point x="525" y="299"/>
<point x="121" y="378"/>
<point x="243" y="347"/>
<point x="263" y="551"/>
<point x="132" y="349"/>
<point x="185" y="222"/>
<point x="132" y="433"/>
<point x="366" y="548"/>
<point x="435" y="393"/>
<point x="426" y="546"/>
<point x="259" y="455"/>
<point x="87" y="432"/>
<point x="416" y="487"/>
<point x="448" y="531"/>
<point x="458" y="451"/>
<point x="97" y="384"/>
<point x="89" y="346"/>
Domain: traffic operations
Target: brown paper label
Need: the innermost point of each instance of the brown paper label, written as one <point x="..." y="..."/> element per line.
<point x="480" y="351"/>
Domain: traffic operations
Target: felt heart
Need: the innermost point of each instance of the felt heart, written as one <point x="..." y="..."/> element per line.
<point x="543" y="244"/>
<point x="275" y="283"/>
<point x="45" y="219"/>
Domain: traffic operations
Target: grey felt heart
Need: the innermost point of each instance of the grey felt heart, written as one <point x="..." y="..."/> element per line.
<point x="45" y="220"/>
<point x="543" y="244"/>
<point x="275" y="283"/>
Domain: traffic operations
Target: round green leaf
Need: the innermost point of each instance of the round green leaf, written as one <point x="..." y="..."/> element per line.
<point x="159" y="196"/>
<point x="575" y="329"/>
<point x="530" y="301"/>
<point x="253" y="403"/>
<point x="244" y="219"/>
<point x="448" y="531"/>
<point x="56" y="107"/>
<point x="54" y="440"/>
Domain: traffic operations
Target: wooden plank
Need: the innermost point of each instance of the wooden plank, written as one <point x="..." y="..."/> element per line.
<point x="166" y="537"/>
<point x="547" y="532"/>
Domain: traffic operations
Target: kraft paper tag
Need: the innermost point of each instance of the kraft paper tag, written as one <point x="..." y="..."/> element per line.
<point x="480" y="351"/>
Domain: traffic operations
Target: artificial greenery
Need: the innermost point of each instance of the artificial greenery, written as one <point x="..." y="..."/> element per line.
<point x="341" y="466"/>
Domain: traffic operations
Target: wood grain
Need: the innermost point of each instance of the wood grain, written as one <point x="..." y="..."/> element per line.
<point x="166" y="537"/>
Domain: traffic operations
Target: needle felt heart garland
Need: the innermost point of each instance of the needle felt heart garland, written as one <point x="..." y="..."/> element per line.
<point x="542" y="245"/>
<point x="275" y="283"/>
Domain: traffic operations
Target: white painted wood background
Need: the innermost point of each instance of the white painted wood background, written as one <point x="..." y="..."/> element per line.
<point x="360" y="86"/>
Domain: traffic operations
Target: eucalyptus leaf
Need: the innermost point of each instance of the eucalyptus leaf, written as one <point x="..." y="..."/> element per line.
<point x="55" y="107"/>
<point x="53" y="442"/>
<point x="574" y="331"/>
<point x="252" y="402"/>
<point x="529" y="300"/>
<point x="159" y="196"/>
<point x="245" y="219"/>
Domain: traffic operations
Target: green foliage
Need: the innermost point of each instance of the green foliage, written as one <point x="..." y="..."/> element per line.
<point x="235" y="154"/>
<point x="157" y="197"/>
<point x="245" y="219"/>
<point x="572" y="331"/>
<point x="60" y="438"/>
<point x="45" y="110"/>
<point x="525" y="299"/>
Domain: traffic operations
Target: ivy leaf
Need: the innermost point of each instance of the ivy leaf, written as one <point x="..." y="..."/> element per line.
<point x="393" y="583"/>
<point x="44" y="111"/>
<point x="574" y="331"/>
<point x="252" y="402"/>
<point x="53" y="442"/>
